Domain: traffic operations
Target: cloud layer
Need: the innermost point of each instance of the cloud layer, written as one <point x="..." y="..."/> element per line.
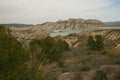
<point x="38" y="11"/>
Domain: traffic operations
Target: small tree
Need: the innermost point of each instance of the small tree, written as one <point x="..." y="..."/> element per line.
<point x="99" y="42"/>
<point x="12" y="56"/>
<point x="95" y="43"/>
<point x="91" y="43"/>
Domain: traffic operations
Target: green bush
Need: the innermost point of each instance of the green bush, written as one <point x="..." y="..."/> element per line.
<point x="51" y="48"/>
<point x="91" y="43"/>
<point x="99" y="42"/>
<point x="95" y="43"/>
<point x="12" y="56"/>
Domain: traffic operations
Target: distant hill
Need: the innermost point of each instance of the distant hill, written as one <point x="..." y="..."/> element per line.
<point x="17" y="25"/>
<point x="72" y="24"/>
<point x="116" y="23"/>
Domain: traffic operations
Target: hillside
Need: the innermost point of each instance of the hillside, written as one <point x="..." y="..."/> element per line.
<point x="61" y="57"/>
<point x="72" y="24"/>
<point x="111" y="37"/>
<point x="80" y="63"/>
<point x="107" y="34"/>
<point x="45" y="29"/>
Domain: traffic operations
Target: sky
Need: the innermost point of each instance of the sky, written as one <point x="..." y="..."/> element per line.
<point x="40" y="11"/>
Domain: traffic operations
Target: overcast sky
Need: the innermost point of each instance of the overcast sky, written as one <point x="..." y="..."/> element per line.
<point x="39" y="11"/>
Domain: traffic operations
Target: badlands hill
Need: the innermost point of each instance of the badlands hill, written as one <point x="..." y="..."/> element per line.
<point x="72" y="24"/>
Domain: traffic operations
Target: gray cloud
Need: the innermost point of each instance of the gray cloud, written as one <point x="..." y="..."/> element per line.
<point x="37" y="11"/>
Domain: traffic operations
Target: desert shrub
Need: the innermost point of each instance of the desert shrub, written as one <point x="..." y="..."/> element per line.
<point x="62" y="45"/>
<point x="99" y="75"/>
<point x="51" y="48"/>
<point x="95" y="43"/>
<point x="12" y="56"/>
